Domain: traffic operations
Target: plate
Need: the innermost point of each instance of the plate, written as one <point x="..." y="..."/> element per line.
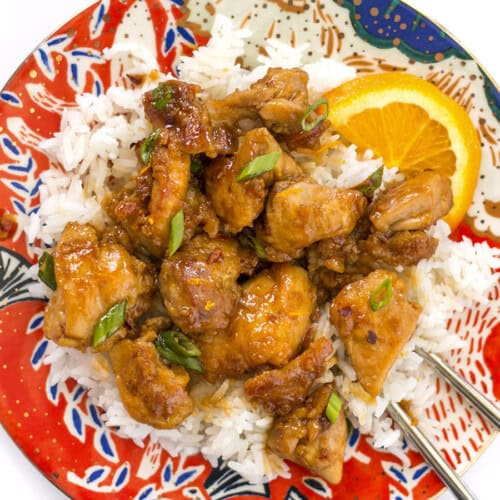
<point x="57" y="429"/>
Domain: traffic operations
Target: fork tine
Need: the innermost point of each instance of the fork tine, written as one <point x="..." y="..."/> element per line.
<point x="482" y="404"/>
<point x="429" y="452"/>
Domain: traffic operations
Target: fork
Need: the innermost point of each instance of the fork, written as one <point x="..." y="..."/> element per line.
<point x="432" y="456"/>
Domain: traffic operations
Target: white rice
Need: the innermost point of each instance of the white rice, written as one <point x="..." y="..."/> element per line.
<point x="95" y="142"/>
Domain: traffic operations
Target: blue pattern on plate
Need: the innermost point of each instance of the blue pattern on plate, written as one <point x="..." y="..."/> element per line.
<point x="40" y="349"/>
<point x="415" y="36"/>
<point x="13" y="281"/>
<point x="293" y="493"/>
<point x="11" y="98"/>
<point x="223" y="482"/>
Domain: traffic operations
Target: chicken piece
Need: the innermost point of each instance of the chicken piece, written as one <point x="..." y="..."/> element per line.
<point x="238" y="204"/>
<point x="329" y="283"/>
<point x="405" y="248"/>
<point x="340" y="253"/>
<point x="299" y="214"/>
<point x="279" y="391"/>
<point x="328" y="253"/>
<point x="417" y="203"/>
<point x="271" y="320"/>
<point x="306" y="139"/>
<point x="151" y="392"/>
<point x="198" y="283"/>
<point x="374" y="339"/>
<point x="182" y="109"/>
<point x="306" y="436"/>
<point x="92" y="277"/>
<point x="278" y="101"/>
<point x="117" y="235"/>
<point x="198" y="212"/>
<point x="145" y="206"/>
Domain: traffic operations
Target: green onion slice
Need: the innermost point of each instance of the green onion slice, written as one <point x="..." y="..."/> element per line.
<point x="162" y="95"/>
<point x="179" y="343"/>
<point x="196" y="166"/>
<point x="109" y="323"/>
<point x="308" y="126"/>
<point x="176" y="232"/>
<point x="148" y="145"/>
<point x="333" y="407"/>
<point x="258" y="166"/>
<point x="374" y="182"/>
<point x="46" y="270"/>
<point x="259" y="249"/>
<point x="177" y="348"/>
<point x="381" y="295"/>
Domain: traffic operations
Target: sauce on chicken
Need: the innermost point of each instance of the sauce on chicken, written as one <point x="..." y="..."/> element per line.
<point x="216" y="264"/>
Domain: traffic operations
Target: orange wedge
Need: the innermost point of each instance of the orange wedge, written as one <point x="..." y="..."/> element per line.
<point x="411" y="124"/>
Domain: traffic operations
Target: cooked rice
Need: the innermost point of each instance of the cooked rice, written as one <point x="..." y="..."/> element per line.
<point x="96" y="142"/>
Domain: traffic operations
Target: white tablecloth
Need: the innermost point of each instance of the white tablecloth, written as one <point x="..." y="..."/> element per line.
<point x="24" y="23"/>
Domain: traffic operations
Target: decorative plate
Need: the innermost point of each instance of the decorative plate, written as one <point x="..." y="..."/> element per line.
<point x="54" y="425"/>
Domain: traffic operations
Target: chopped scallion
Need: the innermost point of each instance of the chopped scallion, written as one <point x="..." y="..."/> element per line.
<point x="162" y="95"/>
<point x="381" y="295"/>
<point x="333" y="407"/>
<point x="176" y="348"/>
<point x="176" y="232"/>
<point x="179" y="343"/>
<point x="46" y="270"/>
<point x="259" y="249"/>
<point x="109" y="323"/>
<point x="308" y="126"/>
<point x="374" y="182"/>
<point x="258" y="166"/>
<point x="148" y="145"/>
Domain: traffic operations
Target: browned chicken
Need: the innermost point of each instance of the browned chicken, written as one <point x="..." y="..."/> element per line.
<point x="417" y="203"/>
<point x="306" y="436"/>
<point x="145" y="206"/>
<point x="198" y="213"/>
<point x="198" y="283"/>
<point x="271" y="320"/>
<point x="374" y="325"/>
<point x="151" y="392"/>
<point x="306" y="139"/>
<point x="175" y="104"/>
<point x="238" y="204"/>
<point x="92" y="277"/>
<point x="403" y="248"/>
<point x="299" y="214"/>
<point x="279" y="391"/>
<point x="278" y="101"/>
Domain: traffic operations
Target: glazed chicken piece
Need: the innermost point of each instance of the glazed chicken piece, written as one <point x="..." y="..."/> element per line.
<point x="299" y="214"/>
<point x="277" y="101"/>
<point x="198" y="284"/>
<point x="269" y="325"/>
<point x="306" y="139"/>
<point x="198" y="213"/>
<point x="152" y="392"/>
<point x="238" y="204"/>
<point x="306" y="436"/>
<point x="417" y="203"/>
<point x="175" y="104"/>
<point x="145" y="206"/>
<point x="405" y="248"/>
<point x="92" y="277"/>
<point x="279" y="391"/>
<point x="374" y="338"/>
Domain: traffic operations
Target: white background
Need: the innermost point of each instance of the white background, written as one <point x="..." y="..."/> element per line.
<point x="24" y="23"/>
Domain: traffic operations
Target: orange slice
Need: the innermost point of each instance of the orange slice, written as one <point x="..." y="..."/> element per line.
<point x="411" y="124"/>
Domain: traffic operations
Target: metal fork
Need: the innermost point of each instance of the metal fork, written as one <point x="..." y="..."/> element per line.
<point x="426" y="448"/>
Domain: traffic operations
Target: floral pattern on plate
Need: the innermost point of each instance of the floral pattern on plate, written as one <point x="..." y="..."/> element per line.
<point x="56" y="427"/>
